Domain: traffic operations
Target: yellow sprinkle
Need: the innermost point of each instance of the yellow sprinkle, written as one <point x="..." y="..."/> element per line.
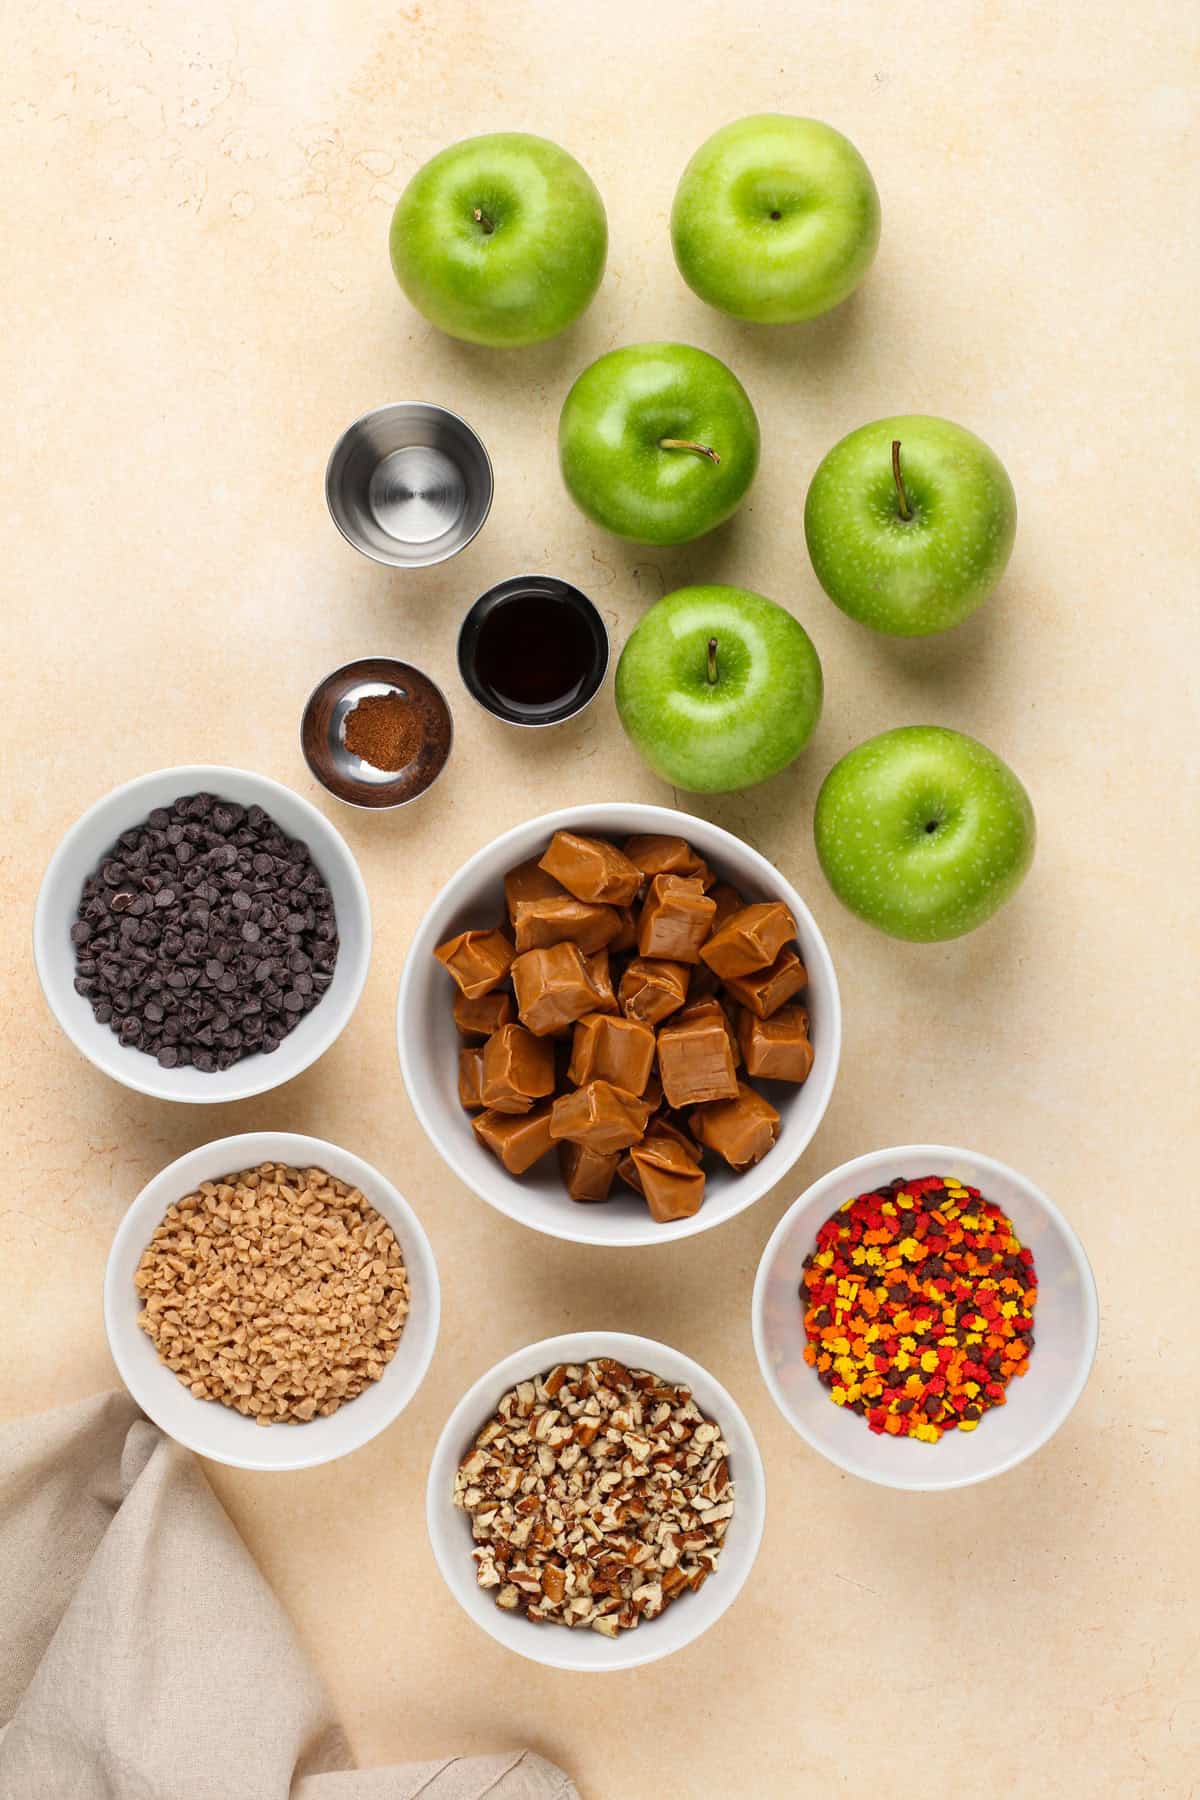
<point x="908" y="1343"/>
<point x="838" y="1396"/>
<point x="903" y="1360"/>
<point x="970" y="1388"/>
<point x="824" y="1258"/>
<point x="929" y="1362"/>
<point x="888" y="1208"/>
<point x="967" y="1424"/>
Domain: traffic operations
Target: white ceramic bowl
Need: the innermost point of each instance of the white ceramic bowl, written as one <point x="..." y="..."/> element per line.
<point x="91" y="839"/>
<point x="429" y="1043"/>
<point x="1065" y="1326"/>
<point x="217" y="1431"/>
<point x="584" y="1650"/>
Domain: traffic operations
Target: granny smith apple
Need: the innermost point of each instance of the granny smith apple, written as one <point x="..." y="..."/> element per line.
<point x="500" y="240"/>
<point x="923" y="832"/>
<point x="775" y="219"/>
<point x="910" y="523"/>
<point x="718" y="688"/>
<point x="658" y="442"/>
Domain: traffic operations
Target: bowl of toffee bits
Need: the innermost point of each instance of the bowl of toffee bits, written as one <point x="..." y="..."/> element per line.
<point x="596" y="1501"/>
<point x="202" y="934"/>
<point x="271" y="1301"/>
<point x="925" y="1317"/>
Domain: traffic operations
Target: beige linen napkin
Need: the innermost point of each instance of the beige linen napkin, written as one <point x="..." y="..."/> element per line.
<point x="142" y="1655"/>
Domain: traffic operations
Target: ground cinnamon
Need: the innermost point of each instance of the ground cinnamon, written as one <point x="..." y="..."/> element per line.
<point x="383" y="730"/>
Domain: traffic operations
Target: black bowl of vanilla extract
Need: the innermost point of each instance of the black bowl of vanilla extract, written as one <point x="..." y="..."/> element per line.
<point x="533" y="651"/>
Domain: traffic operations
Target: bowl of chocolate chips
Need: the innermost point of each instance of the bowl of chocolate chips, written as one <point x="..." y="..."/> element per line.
<point x="202" y="934"/>
<point x="619" y="1024"/>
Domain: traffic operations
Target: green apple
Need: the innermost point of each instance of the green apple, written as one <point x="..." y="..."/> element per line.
<point x="775" y="219"/>
<point x="718" y="688"/>
<point x="923" y="832"/>
<point x="910" y="524"/>
<point x="658" y="442"/>
<point x="500" y="240"/>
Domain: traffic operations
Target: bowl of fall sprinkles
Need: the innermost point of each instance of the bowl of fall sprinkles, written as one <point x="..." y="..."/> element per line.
<point x="925" y="1317"/>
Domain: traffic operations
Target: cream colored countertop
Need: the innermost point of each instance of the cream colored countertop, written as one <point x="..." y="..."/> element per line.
<point x="198" y="298"/>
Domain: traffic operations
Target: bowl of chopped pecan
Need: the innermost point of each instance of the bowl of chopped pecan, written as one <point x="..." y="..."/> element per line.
<point x="619" y="1024"/>
<point x="271" y="1301"/>
<point x="596" y="1501"/>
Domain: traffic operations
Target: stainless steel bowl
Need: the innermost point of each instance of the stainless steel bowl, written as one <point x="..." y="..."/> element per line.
<point x="409" y="484"/>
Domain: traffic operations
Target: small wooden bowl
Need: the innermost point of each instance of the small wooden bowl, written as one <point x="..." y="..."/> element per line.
<point x="346" y="776"/>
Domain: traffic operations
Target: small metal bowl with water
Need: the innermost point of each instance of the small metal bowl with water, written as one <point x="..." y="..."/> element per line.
<point x="349" y="777"/>
<point x="409" y="484"/>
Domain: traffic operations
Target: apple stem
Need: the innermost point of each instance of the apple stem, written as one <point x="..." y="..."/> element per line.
<point x="481" y="218"/>
<point x="687" y="444"/>
<point x="905" y="510"/>
<point x="712" y="662"/>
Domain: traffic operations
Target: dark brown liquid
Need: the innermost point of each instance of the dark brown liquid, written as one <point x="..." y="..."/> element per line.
<point x="534" y="652"/>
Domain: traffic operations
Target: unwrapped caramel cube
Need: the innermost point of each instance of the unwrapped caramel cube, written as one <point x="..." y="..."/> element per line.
<point x="560" y="918"/>
<point x="766" y="990"/>
<point x="676" y="919"/>
<point x="592" y="869"/>
<point x="695" y="1057"/>
<point x="603" y="1117"/>
<point x="626" y="938"/>
<point x="518" y="1141"/>
<point x="656" y="854"/>
<point x="470" y="1077"/>
<point x="529" y="881"/>
<point x="611" y="1049"/>
<point x="651" y="989"/>
<point x="776" y="1049"/>
<point x="479" y="1018"/>
<point x="741" y="1130"/>
<point x="518" y="1069"/>
<point x="478" y="960"/>
<point x="553" y="988"/>
<point x="659" y="1127"/>
<point x="587" y="1175"/>
<point x="727" y="901"/>
<point x="670" y="1179"/>
<point x="600" y="976"/>
<point x="749" y="940"/>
